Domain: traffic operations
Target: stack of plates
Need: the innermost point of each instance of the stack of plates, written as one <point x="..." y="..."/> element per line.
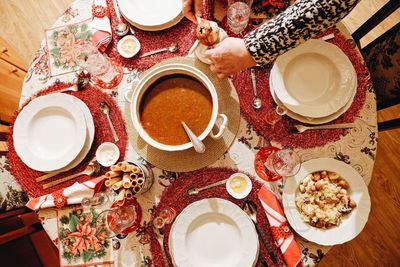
<point x="53" y="132"/>
<point x="316" y="82"/>
<point x="213" y="232"/>
<point x="151" y="15"/>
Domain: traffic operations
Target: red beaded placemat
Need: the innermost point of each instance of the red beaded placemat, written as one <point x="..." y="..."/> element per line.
<point x="282" y="131"/>
<point x="92" y="97"/>
<point x="176" y="196"/>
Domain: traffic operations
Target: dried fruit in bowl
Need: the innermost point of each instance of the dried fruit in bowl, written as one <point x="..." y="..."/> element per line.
<point x="207" y="32"/>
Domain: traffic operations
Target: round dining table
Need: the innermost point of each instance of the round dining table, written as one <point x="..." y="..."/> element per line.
<point x="356" y="147"/>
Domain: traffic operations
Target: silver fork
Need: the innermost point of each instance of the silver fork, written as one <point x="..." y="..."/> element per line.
<point x="251" y="209"/>
<point x="160" y="238"/>
<point x="302" y="128"/>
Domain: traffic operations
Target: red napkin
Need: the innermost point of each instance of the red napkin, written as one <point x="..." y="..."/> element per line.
<point x="67" y="196"/>
<point x="280" y="228"/>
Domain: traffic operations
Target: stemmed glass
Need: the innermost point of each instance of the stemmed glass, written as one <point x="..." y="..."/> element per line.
<point x="114" y="221"/>
<point x="284" y="162"/>
<point x="166" y="216"/>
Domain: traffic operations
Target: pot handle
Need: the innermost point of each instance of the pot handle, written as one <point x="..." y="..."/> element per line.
<point x="221" y="128"/>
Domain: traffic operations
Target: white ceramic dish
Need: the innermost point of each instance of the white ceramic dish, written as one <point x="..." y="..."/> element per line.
<point x="310" y="120"/>
<point x="152" y="76"/>
<point x="107" y="154"/>
<point x="151" y="15"/>
<point x="121" y="44"/>
<point x="351" y="224"/>
<point x="89" y="134"/>
<point x="213" y="232"/>
<point x="313" y="79"/>
<point x="49" y="132"/>
<point x="243" y="194"/>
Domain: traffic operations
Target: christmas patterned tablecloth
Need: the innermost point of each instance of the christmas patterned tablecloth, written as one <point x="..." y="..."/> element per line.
<point x="356" y="147"/>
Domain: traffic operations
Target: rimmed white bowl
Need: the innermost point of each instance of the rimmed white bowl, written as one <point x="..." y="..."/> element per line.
<point x="49" y="132"/>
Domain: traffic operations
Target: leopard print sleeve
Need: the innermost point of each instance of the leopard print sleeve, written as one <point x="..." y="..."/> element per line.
<point x="297" y="23"/>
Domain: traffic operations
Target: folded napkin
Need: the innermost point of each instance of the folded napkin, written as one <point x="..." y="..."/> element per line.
<point x="67" y="196"/>
<point x="280" y="228"/>
<point x="101" y="25"/>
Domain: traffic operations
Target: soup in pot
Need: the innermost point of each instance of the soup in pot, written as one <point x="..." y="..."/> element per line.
<point x="171" y="100"/>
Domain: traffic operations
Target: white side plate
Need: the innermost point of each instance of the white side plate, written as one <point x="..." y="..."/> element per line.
<point x="49" y="132"/>
<point x="351" y="224"/>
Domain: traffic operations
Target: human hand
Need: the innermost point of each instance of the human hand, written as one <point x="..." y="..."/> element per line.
<point x="192" y="8"/>
<point x="229" y="57"/>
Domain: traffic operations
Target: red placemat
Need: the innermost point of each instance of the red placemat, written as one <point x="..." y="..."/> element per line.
<point x="281" y="132"/>
<point x="176" y="196"/>
<point x="25" y="176"/>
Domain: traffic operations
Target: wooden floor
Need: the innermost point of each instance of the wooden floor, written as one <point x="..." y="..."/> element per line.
<point x="22" y="24"/>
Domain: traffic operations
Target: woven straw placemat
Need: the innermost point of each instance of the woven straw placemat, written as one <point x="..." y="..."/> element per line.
<point x="189" y="160"/>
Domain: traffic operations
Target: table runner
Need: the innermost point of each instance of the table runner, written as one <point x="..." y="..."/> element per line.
<point x="357" y="148"/>
<point x="92" y="97"/>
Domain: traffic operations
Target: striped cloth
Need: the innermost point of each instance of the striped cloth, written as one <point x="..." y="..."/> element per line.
<point x="283" y="235"/>
<point x="67" y="196"/>
<point x="101" y="27"/>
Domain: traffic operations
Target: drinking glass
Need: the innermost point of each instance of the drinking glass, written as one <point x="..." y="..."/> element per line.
<point x="284" y="162"/>
<point x="99" y="67"/>
<point x="99" y="199"/>
<point x="116" y="220"/>
<point x="238" y="14"/>
<point x="166" y="216"/>
<point x="274" y="115"/>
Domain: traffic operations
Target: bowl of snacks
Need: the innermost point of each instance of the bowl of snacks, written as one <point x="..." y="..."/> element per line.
<point x="239" y="185"/>
<point x="326" y="202"/>
<point x="128" y="46"/>
<point x="128" y="179"/>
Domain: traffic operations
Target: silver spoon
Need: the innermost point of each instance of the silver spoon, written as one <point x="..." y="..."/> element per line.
<point x="256" y="103"/>
<point x="198" y="146"/>
<point x="106" y="110"/>
<point x="171" y="48"/>
<point x="194" y="191"/>
<point x="122" y="28"/>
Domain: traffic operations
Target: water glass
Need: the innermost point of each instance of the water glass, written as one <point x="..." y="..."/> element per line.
<point x="115" y="221"/>
<point x="99" y="199"/>
<point x="284" y="162"/>
<point x="166" y="217"/>
<point x="238" y="14"/>
<point x="274" y="115"/>
<point x="99" y="67"/>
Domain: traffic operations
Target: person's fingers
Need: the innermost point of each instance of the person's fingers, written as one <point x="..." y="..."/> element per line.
<point x="212" y="68"/>
<point x="222" y="75"/>
<point x="187" y="10"/>
<point x="198" y="8"/>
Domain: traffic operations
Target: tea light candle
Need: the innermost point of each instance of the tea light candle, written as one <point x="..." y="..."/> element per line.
<point x="128" y="46"/>
<point x="239" y="185"/>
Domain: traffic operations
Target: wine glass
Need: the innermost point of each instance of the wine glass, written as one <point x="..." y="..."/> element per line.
<point x="284" y="162"/>
<point x="114" y="221"/>
<point x="99" y="199"/>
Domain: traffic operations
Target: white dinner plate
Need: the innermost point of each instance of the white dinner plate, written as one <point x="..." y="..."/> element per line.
<point x="151" y="15"/>
<point x="315" y="79"/>
<point x="49" y="132"/>
<point x="213" y="232"/>
<point x="351" y="224"/>
<point x="89" y="134"/>
<point x="310" y="120"/>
